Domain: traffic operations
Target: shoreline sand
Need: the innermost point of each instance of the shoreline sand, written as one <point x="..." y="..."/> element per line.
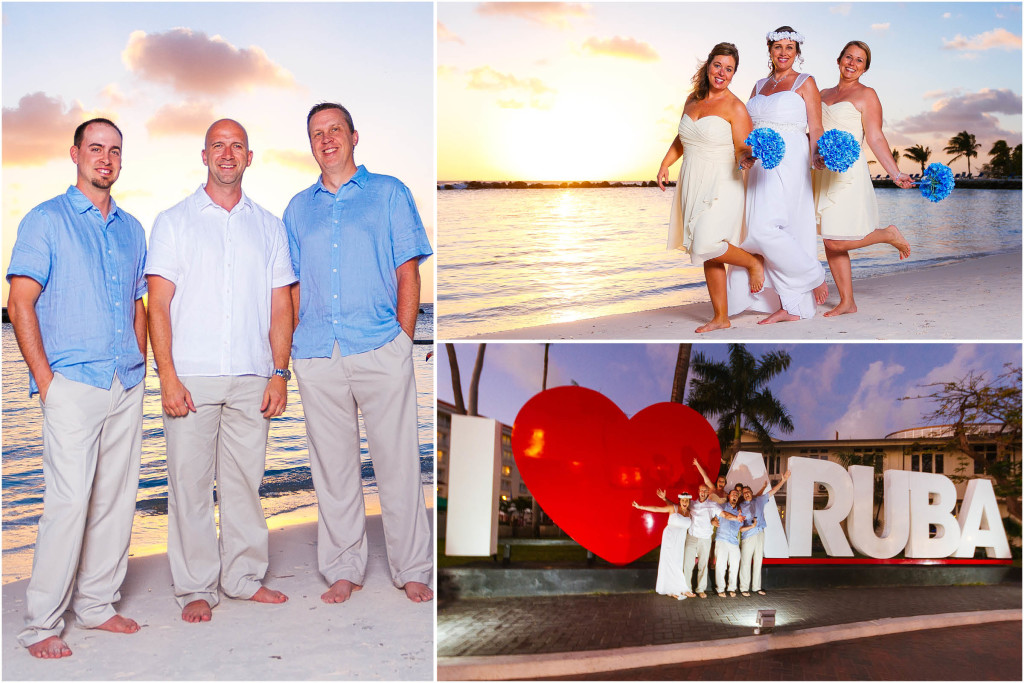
<point x="377" y="635"/>
<point x="972" y="298"/>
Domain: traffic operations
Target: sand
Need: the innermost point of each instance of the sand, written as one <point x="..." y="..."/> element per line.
<point x="377" y="635"/>
<point x="969" y="299"/>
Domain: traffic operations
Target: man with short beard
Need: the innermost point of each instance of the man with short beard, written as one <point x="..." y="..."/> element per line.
<point x="219" y="292"/>
<point x="698" y="539"/>
<point x="752" y="539"/>
<point x="727" y="548"/>
<point x="75" y="303"/>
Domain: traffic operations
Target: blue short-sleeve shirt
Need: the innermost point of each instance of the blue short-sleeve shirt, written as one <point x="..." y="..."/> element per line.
<point x="755" y="508"/>
<point x="91" y="271"/>
<point x="728" y="529"/>
<point x="345" y="249"/>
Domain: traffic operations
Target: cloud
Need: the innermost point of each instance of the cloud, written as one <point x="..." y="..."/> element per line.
<point x="193" y="63"/>
<point x="290" y="158"/>
<point x="39" y="129"/>
<point x="934" y="94"/>
<point x="113" y="96"/>
<point x="556" y="14"/>
<point x="187" y="118"/>
<point x="446" y="36"/>
<point x="821" y="375"/>
<point x="963" y="361"/>
<point x="447" y="71"/>
<point x="873" y="410"/>
<point x="511" y="104"/>
<point x="881" y="27"/>
<point x="972" y="112"/>
<point x="843" y="9"/>
<point x="998" y="38"/>
<point x="629" y="48"/>
<point x="531" y="90"/>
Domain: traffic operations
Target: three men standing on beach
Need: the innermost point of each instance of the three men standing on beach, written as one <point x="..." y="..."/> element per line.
<point x="356" y="242"/>
<point x="75" y="302"/>
<point x="221" y="325"/>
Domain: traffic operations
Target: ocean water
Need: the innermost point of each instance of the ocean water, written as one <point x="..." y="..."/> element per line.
<point x="287" y="485"/>
<point x="509" y="259"/>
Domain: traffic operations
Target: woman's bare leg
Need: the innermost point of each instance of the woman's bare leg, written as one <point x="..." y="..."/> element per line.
<point x="715" y="276"/>
<point x="890" y="235"/>
<point x="754" y="263"/>
<point x="839" y="264"/>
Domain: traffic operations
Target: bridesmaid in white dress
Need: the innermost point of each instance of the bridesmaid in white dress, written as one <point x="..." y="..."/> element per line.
<point x="672" y="580"/>
<point x="845" y="202"/>
<point x="707" y="212"/>
<point x="780" y="205"/>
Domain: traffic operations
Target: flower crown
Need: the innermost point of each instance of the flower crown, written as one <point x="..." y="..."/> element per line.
<point x="784" y="35"/>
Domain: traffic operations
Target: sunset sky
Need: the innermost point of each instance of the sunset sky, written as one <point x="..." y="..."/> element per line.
<point x="165" y="71"/>
<point x="850" y="388"/>
<point x="570" y="91"/>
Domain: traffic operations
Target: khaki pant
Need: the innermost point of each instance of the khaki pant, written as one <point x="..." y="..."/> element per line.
<point x="698" y="549"/>
<point x="751" y="555"/>
<point x="224" y="440"/>
<point x="380" y="384"/>
<point x="92" y="446"/>
<point x="727" y="556"/>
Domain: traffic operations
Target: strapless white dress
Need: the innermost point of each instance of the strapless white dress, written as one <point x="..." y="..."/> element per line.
<point x="672" y="580"/>
<point x="780" y="220"/>
<point x="707" y="210"/>
<point x="845" y="202"/>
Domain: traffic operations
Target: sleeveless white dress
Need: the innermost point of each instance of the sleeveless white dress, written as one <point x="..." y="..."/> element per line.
<point x="780" y="219"/>
<point x="845" y="202"/>
<point x="672" y="580"/>
<point x="707" y="209"/>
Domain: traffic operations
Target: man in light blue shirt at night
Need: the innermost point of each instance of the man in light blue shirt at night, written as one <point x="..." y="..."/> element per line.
<point x="75" y="303"/>
<point x="356" y="243"/>
<point x="727" y="548"/>
<point x="752" y="540"/>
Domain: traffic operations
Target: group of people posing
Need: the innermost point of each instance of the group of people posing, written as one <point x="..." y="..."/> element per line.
<point x="234" y="292"/>
<point x="767" y="230"/>
<point x="735" y="518"/>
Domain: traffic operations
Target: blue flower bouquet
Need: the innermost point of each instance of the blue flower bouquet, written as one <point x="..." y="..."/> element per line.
<point x="839" y="149"/>
<point x="767" y="145"/>
<point x="937" y="182"/>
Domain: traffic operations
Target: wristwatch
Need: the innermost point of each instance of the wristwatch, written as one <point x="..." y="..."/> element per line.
<point x="286" y="373"/>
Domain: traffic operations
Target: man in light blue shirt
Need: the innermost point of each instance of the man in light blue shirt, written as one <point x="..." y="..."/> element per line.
<point x="75" y="303"/>
<point x="727" y="548"/>
<point x="356" y="242"/>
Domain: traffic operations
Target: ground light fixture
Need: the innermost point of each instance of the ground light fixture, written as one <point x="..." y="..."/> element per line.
<point x="765" y="621"/>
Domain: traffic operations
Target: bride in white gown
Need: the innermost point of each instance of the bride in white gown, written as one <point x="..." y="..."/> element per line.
<point x="673" y="580"/>
<point x="780" y="217"/>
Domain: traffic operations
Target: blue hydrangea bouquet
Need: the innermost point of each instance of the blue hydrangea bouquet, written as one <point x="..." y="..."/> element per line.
<point x="937" y="182"/>
<point x="767" y="145"/>
<point x="839" y="149"/>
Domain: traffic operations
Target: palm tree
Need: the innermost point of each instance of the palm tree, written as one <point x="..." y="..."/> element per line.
<point x="1001" y="154"/>
<point x="474" y="382"/>
<point x="964" y="145"/>
<point x="919" y="154"/>
<point x="736" y="392"/>
<point x="682" y="369"/>
<point x="1015" y="159"/>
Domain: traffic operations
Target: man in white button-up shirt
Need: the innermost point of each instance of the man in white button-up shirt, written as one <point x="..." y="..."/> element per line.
<point x="219" y="288"/>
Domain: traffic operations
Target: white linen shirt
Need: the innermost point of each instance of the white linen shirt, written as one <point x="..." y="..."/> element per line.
<point x="224" y="265"/>
<point x="701" y="515"/>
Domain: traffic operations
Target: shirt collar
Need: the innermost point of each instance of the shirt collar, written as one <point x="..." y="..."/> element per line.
<point x="359" y="178"/>
<point x="81" y="203"/>
<point x="204" y="201"/>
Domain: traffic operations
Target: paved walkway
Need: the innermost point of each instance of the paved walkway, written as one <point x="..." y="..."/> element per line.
<point x="516" y="629"/>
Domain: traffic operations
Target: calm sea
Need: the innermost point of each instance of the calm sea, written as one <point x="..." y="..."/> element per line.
<point x="509" y="259"/>
<point x="287" y="485"/>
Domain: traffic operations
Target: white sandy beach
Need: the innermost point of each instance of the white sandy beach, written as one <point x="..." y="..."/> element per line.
<point x="377" y="635"/>
<point x="974" y="299"/>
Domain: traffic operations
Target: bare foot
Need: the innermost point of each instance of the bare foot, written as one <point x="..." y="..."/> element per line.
<point x="119" y="624"/>
<point x="51" y="648"/>
<point x="756" y="274"/>
<point x="713" y="325"/>
<point x="340" y="591"/>
<point x="820" y="293"/>
<point x="778" y="316"/>
<point x="268" y="595"/>
<point x="894" y="237"/>
<point x="197" y="611"/>
<point x="843" y="307"/>
<point x="690" y="595"/>
<point x="418" y="592"/>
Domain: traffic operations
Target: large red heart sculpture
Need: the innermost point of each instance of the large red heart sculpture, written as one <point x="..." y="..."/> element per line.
<point x="586" y="462"/>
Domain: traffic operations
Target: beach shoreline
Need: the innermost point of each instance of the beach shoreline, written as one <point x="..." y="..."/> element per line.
<point x="378" y="634"/>
<point x="970" y="298"/>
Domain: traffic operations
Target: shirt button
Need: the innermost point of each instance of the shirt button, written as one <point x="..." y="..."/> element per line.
<point x="335" y="296"/>
<point x="117" y="303"/>
<point x="335" y="246"/>
<point x="335" y="270"/>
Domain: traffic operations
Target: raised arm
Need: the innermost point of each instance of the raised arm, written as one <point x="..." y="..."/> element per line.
<point x="654" y="508"/>
<point x="871" y="115"/>
<point x="785" y="478"/>
<point x="703" y="474"/>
